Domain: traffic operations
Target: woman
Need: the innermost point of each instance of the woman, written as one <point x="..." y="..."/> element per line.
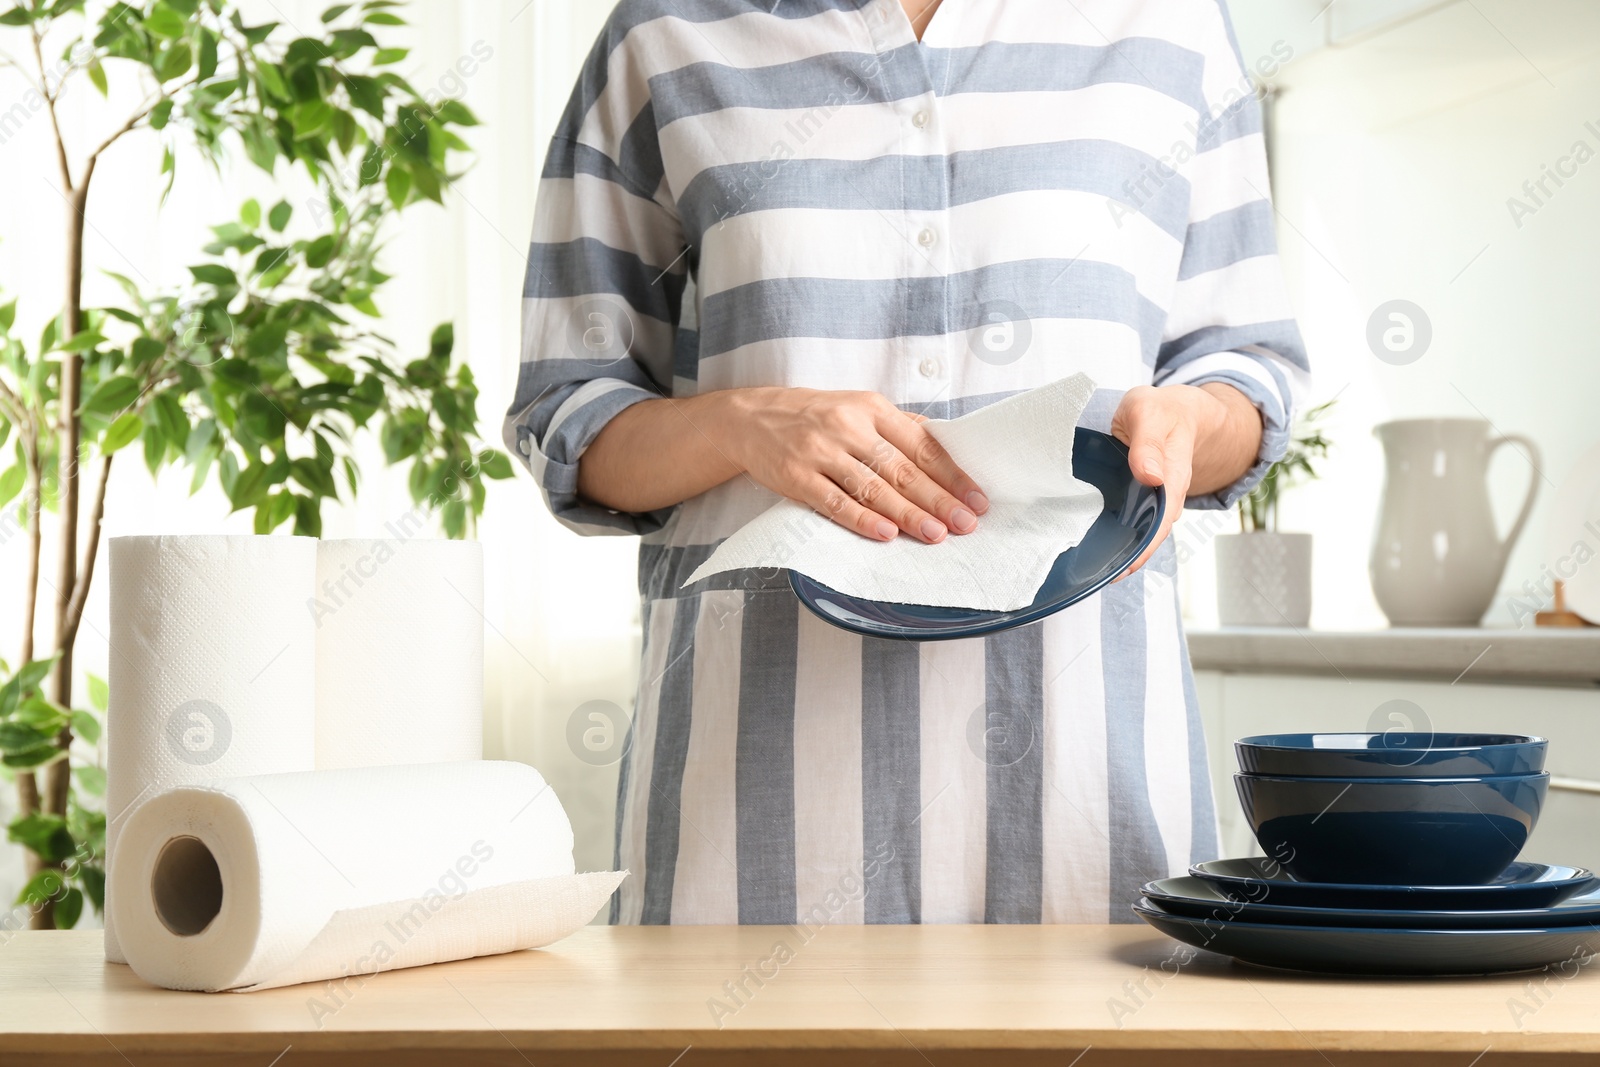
<point x="770" y="238"/>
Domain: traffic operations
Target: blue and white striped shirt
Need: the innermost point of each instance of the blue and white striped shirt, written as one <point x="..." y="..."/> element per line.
<point x="801" y="194"/>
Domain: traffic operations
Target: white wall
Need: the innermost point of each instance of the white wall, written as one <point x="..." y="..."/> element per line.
<point x="1395" y="157"/>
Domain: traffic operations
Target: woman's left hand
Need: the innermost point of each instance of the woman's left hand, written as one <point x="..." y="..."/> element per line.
<point x="1186" y="438"/>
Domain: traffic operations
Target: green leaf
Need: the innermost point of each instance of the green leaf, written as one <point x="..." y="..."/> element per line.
<point x="158" y="120"/>
<point x="8" y="315"/>
<point x="310" y="118"/>
<point x="398" y="184"/>
<point x="17" y="16"/>
<point x="44" y="834"/>
<point x="113" y="394"/>
<point x="176" y="63"/>
<point x="174" y="421"/>
<point x="278" y="217"/>
<point x="386" y="56"/>
<point x="46" y="885"/>
<point x="94" y="885"/>
<point x="121" y="433"/>
<point x="384" y="18"/>
<point x="208" y="55"/>
<point x="69" y="909"/>
<point x="440" y="344"/>
<point x="20" y="737"/>
<point x="250" y="213"/>
<point x="82" y="342"/>
<point x="31" y="757"/>
<point x="214" y="274"/>
<point x="163" y="21"/>
<point x="457" y="112"/>
<point x="90" y="779"/>
<point x="335" y="11"/>
<point x="11" y="483"/>
<point x="155" y="448"/>
<point x="99" y="694"/>
<point x="496" y="465"/>
<point x="97" y="75"/>
<point x="272" y="81"/>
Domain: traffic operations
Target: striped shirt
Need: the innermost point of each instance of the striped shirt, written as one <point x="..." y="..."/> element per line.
<point x="799" y="193"/>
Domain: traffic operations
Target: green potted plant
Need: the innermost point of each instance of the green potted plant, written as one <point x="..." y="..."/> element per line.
<point x="1264" y="574"/>
<point x="259" y="375"/>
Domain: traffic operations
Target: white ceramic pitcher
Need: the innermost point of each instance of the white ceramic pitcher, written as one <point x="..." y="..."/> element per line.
<point x="1436" y="558"/>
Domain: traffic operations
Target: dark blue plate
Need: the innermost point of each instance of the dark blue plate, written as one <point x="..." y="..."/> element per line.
<point x="1199" y="899"/>
<point x="1376" y="951"/>
<point x="1521" y="885"/>
<point x="1126" y="526"/>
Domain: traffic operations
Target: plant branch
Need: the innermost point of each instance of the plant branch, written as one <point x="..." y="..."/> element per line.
<point x="91" y="549"/>
<point x="50" y="105"/>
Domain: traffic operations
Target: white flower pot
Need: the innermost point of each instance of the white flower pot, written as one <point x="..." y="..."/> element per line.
<point x="1264" y="579"/>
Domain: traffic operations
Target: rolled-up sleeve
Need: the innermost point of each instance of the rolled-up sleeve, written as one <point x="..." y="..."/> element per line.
<point x="604" y="289"/>
<point x="1230" y="319"/>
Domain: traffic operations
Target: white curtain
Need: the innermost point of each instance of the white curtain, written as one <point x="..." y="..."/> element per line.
<point x="562" y="616"/>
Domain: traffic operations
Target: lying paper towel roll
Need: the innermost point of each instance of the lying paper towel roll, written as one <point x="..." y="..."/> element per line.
<point x="399" y="651"/>
<point x="249" y="883"/>
<point x="211" y="668"/>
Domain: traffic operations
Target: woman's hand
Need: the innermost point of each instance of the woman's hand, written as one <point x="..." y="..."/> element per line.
<point x="1185" y="437"/>
<point x="852" y="456"/>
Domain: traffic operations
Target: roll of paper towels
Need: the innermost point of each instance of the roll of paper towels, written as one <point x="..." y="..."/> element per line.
<point x="399" y="651"/>
<point x="251" y="883"/>
<point x="211" y="668"/>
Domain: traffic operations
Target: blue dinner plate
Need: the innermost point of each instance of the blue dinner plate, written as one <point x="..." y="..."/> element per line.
<point x="1199" y="899"/>
<point x="1376" y="951"/>
<point x="1126" y="526"/>
<point x="1521" y="885"/>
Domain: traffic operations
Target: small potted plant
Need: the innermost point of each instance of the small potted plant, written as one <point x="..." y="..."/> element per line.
<point x="1263" y="574"/>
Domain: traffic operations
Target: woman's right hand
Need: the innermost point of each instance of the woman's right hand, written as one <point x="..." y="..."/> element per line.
<point x="852" y="456"/>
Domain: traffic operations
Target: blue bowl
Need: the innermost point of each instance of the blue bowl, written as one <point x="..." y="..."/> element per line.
<point x="1394" y="754"/>
<point x="1393" y="831"/>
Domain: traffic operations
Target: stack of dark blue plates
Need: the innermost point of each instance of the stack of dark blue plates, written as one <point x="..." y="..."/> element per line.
<point x="1386" y="854"/>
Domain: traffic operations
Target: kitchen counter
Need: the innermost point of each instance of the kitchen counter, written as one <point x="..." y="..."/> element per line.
<point x="1549" y="656"/>
<point x="945" y="995"/>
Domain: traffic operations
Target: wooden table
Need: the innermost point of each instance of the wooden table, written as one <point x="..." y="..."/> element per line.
<point x="942" y="995"/>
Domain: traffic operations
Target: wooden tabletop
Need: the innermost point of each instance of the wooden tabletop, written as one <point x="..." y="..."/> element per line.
<point x="664" y="996"/>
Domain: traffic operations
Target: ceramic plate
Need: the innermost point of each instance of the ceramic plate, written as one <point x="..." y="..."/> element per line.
<point x="1376" y="951"/>
<point x="1199" y="899"/>
<point x="1519" y="886"/>
<point x="1128" y="523"/>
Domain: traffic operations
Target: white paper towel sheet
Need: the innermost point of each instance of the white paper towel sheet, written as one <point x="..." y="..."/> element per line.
<point x="399" y="651"/>
<point x="1018" y="451"/>
<point x="250" y="883"/>
<point x="211" y="668"/>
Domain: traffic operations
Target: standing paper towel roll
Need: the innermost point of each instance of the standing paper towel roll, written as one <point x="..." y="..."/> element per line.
<point x="212" y="668"/>
<point x="399" y="652"/>
<point x="258" y="882"/>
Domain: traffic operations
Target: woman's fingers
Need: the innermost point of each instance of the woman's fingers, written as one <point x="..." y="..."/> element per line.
<point x="892" y="486"/>
<point x="939" y="485"/>
<point x="827" y="498"/>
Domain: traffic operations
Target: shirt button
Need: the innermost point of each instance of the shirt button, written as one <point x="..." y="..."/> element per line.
<point x="929" y="368"/>
<point x="525" y="446"/>
<point x="926" y="238"/>
<point x="920" y="120"/>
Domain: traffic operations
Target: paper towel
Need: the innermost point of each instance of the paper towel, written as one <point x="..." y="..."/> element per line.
<point x="211" y="668"/>
<point x="1018" y="451"/>
<point x="399" y="651"/>
<point x="249" y="883"/>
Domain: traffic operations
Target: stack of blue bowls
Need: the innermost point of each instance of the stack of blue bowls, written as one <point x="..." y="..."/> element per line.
<point x="1386" y="853"/>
